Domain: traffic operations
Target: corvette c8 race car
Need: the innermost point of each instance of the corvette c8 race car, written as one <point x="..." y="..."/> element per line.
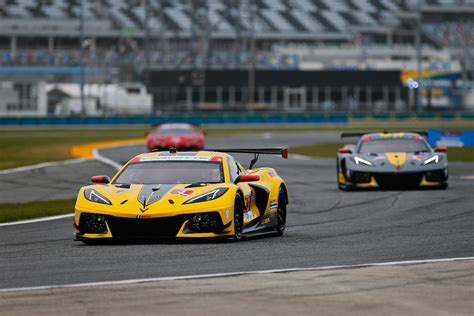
<point x="391" y="160"/>
<point x="183" y="194"/>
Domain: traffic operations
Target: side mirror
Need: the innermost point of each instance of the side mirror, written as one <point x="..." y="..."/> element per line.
<point x="203" y="132"/>
<point x="247" y="178"/>
<point x="147" y="133"/>
<point x="441" y="149"/>
<point x="344" y="151"/>
<point x="100" y="179"/>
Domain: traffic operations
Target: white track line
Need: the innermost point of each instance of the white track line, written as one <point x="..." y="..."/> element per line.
<point x="230" y="274"/>
<point x="43" y="165"/>
<point x="106" y="160"/>
<point x="36" y="220"/>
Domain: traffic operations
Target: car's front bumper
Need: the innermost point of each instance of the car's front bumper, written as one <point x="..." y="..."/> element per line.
<point x="420" y="179"/>
<point x="157" y="227"/>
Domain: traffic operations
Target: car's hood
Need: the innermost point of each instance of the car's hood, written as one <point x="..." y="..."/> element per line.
<point x="398" y="159"/>
<point x="152" y="199"/>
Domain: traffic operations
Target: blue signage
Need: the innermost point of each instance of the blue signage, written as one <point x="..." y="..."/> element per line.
<point x="451" y="138"/>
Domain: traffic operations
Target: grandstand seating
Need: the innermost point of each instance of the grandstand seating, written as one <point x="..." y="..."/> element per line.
<point x="334" y="21"/>
<point x="280" y="16"/>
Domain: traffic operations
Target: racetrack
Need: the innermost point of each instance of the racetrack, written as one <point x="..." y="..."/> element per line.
<point x="325" y="226"/>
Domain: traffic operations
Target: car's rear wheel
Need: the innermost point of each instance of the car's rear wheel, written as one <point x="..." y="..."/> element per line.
<point x="281" y="213"/>
<point x="238" y="218"/>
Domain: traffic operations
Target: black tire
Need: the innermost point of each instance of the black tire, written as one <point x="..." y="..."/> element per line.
<point x="238" y="218"/>
<point x="281" y="213"/>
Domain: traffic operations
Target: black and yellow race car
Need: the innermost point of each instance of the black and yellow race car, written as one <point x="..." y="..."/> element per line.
<point x="391" y="161"/>
<point x="168" y="194"/>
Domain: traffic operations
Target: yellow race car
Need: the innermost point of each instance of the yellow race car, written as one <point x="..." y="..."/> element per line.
<point x="184" y="194"/>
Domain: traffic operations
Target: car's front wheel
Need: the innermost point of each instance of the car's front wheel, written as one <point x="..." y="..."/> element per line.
<point x="238" y="218"/>
<point x="281" y="213"/>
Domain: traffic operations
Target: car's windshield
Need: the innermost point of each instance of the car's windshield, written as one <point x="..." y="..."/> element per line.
<point x="393" y="145"/>
<point x="171" y="172"/>
<point x="168" y="131"/>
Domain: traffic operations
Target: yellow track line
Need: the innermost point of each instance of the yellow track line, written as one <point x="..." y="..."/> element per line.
<point x="85" y="151"/>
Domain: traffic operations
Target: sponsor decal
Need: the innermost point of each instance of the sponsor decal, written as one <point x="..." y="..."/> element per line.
<point x="272" y="173"/>
<point x="182" y="192"/>
<point x="143" y="216"/>
<point x="248" y="216"/>
<point x="175" y="158"/>
<point x="273" y="204"/>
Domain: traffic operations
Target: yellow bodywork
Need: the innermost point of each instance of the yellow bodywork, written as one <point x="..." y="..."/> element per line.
<point x="125" y="203"/>
<point x="396" y="159"/>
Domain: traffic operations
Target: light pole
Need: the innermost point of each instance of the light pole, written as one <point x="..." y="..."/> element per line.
<point x="419" y="56"/>
<point x="251" y="69"/>
<point x="81" y="71"/>
<point x="146" y="7"/>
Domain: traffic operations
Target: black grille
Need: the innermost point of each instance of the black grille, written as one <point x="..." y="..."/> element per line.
<point x="92" y="224"/>
<point x="402" y="180"/>
<point x="145" y="228"/>
<point x="435" y="176"/>
<point x="360" y="177"/>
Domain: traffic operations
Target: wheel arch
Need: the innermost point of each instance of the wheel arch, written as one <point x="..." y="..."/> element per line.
<point x="285" y="189"/>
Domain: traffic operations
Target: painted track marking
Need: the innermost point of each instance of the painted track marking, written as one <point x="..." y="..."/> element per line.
<point x="232" y="274"/>
<point x="36" y="220"/>
<point x="43" y="165"/>
<point x="105" y="160"/>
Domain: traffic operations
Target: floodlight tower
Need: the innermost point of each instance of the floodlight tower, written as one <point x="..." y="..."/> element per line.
<point x="200" y="36"/>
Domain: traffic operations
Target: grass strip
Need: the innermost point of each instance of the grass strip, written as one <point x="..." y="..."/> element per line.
<point x="20" y="211"/>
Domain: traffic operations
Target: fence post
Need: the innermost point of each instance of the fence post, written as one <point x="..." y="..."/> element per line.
<point x="274" y="98"/>
<point x="189" y="98"/>
<point x="315" y="98"/>
<point x="232" y="96"/>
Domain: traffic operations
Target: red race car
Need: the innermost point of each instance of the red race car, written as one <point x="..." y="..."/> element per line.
<point x="176" y="135"/>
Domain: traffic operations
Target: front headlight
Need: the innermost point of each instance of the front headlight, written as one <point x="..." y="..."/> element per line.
<point x="433" y="159"/>
<point x="94" y="196"/>
<point x="361" y="161"/>
<point x="209" y="196"/>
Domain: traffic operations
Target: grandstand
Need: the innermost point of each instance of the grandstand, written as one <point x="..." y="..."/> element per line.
<point x="124" y="39"/>
<point x="46" y="32"/>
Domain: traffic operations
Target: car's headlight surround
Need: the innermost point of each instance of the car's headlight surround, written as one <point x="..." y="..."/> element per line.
<point x="94" y="196"/>
<point x="435" y="159"/>
<point x="208" y="196"/>
<point x="362" y="161"/>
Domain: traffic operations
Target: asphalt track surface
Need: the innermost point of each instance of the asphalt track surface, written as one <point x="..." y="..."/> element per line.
<point x="325" y="227"/>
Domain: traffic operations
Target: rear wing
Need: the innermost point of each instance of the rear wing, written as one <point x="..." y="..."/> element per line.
<point x="279" y="151"/>
<point x="360" y="134"/>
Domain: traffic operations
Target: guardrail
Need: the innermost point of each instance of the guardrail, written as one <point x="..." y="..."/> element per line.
<point x="193" y="119"/>
<point x="229" y="119"/>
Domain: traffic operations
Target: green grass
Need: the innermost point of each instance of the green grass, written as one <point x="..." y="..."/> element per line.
<point x="330" y="150"/>
<point x="25" y="146"/>
<point x="20" y="211"/>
